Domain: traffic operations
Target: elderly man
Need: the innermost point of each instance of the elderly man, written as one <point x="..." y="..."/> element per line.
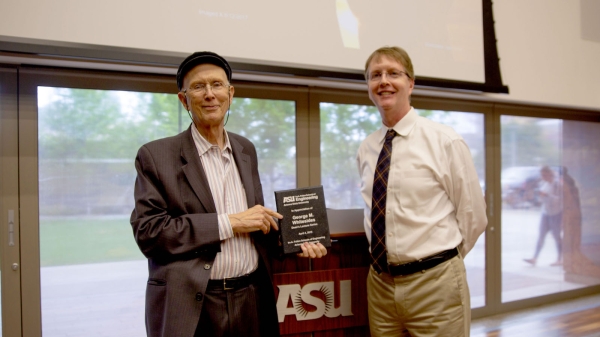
<point x="424" y="210"/>
<point x="199" y="219"/>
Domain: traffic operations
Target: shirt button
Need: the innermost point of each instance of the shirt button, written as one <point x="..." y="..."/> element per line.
<point x="199" y="297"/>
<point x="391" y="234"/>
<point x="207" y="266"/>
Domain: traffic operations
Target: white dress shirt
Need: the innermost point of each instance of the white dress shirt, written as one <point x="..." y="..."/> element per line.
<point x="434" y="200"/>
<point x="238" y="255"/>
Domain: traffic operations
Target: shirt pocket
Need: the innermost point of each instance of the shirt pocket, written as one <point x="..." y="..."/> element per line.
<point x="416" y="188"/>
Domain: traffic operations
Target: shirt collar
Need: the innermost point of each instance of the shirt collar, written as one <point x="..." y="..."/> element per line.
<point x="204" y="145"/>
<point x="403" y="127"/>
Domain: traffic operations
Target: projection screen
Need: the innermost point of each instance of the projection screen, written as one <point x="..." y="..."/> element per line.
<point x="445" y="38"/>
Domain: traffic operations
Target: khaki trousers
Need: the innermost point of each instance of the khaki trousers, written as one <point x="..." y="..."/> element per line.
<point x="435" y="302"/>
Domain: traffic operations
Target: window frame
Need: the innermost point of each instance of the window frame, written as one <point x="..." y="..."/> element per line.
<point x="308" y="99"/>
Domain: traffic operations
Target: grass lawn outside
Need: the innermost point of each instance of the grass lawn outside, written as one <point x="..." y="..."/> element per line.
<point x="67" y="241"/>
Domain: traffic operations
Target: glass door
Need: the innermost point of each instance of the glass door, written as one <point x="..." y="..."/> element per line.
<point x="85" y="274"/>
<point x="87" y="141"/>
<point x="78" y="134"/>
<point x="344" y="126"/>
<point x="550" y="232"/>
<point x="92" y="273"/>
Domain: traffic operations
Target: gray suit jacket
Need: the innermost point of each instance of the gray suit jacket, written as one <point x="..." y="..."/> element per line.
<point x="175" y="226"/>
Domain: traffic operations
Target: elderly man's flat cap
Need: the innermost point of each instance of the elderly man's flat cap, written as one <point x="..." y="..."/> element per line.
<point x="201" y="57"/>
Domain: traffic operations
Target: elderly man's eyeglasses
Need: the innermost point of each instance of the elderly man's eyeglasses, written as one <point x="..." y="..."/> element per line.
<point x="377" y="76"/>
<point x="202" y="88"/>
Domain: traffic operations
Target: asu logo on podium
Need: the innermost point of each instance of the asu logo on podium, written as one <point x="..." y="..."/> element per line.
<point x="321" y="300"/>
<point x="300" y="295"/>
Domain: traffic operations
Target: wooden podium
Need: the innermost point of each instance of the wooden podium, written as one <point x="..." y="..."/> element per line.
<point x="326" y="297"/>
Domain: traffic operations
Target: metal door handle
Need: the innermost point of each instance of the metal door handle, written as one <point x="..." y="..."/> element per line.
<point x="11" y="228"/>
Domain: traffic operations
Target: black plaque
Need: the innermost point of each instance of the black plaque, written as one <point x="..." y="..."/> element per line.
<point x="304" y="218"/>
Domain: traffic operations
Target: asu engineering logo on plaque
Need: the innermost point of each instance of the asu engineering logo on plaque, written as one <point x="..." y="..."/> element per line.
<point x="293" y="200"/>
<point x="302" y="295"/>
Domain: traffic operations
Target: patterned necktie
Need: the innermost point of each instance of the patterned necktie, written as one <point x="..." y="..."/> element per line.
<point x="378" y="250"/>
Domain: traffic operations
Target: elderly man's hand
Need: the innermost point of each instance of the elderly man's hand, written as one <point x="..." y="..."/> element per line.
<point x="257" y="218"/>
<point x="312" y="250"/>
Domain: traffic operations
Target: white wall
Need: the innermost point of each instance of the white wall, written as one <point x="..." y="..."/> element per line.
<point x="543" y="57"/>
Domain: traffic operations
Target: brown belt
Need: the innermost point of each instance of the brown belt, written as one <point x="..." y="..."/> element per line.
<point x="422" y="264"/>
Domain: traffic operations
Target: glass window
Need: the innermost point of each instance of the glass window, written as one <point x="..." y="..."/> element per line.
<point x="550" y="184"/>
<point x="343" y="128"/>
<point x="93" y="275"/>
<point x="271" y="126"/>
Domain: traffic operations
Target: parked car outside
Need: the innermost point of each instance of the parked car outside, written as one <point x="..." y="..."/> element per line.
<point x="520" y="186"/>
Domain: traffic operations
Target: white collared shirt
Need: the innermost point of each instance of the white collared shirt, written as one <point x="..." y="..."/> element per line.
<point x="238" y="255"/>
<point x="434" y="200"/>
